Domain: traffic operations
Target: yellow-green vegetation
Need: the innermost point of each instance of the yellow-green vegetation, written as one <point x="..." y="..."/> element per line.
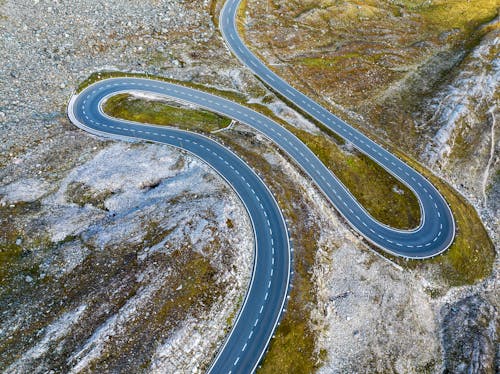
<point x="382" y="195"/>
<point x="98" y="76"/>
<point x="13" y="259"/>
<point x="472" y="254"/>
<point x="465" y="15"/>
<point x="196" y="277"/>
<point x="155" y="112"/>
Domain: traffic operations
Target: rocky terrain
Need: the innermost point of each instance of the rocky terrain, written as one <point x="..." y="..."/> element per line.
<point x="101" y="260"/>
<point x="133" y="257"/>
<point x="463" y="118"/>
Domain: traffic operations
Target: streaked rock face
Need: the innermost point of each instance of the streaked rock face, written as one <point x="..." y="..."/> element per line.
<point x="464" y="118"/>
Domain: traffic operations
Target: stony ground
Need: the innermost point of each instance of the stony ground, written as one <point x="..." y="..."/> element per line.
<point x="111" y="264"/>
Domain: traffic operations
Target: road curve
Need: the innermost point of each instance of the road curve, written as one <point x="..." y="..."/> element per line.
<point x="268" y="288"/>
<point x="436" y="231"/>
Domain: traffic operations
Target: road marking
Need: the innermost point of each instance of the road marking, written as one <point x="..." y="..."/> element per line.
<point x="270" y="77"/>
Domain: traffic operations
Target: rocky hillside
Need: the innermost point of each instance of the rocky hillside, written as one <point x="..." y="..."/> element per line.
<point x="134" y="257"/>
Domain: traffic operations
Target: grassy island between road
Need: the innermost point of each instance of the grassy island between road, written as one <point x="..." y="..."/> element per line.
<point x="156" y="112"/>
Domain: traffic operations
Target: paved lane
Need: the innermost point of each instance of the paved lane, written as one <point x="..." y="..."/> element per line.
<point x="437" y="229"/>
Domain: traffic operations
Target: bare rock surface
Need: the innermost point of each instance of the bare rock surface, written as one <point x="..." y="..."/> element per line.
<point x="381" y="314"/>
<point x="139" y="216"/>
<point x="469" y="336"/>
<point x="463" y="117"/>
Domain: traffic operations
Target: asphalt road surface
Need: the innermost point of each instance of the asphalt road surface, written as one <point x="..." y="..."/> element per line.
<point x="268" y="289"/>
<point x="437" y="227"/>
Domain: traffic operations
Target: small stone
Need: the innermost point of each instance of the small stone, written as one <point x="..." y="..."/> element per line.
<point x="62" y="86"/>
<point x="28" y="279"/>
<point x="19" y="241"/>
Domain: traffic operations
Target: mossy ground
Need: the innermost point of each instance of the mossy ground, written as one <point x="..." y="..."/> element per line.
<point x="471" y="256"/>
<point x="160" y="113"/>
<point x="105" y="281"/>
<point x="293" y="348"/>
<point x="378" y="58"/>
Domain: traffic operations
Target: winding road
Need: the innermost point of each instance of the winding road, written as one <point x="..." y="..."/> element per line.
<point x="266" y="295"/>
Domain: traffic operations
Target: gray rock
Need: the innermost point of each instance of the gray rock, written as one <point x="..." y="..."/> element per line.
<point x="469" y="335"/>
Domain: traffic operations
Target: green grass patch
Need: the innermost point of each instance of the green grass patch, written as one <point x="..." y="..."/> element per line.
<point x="383" y="196"/>
<point x="153" y="112"/>
<point x="329" y="62"/>
<point x="465" y="15"/>
<point x="471" y="256"/>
